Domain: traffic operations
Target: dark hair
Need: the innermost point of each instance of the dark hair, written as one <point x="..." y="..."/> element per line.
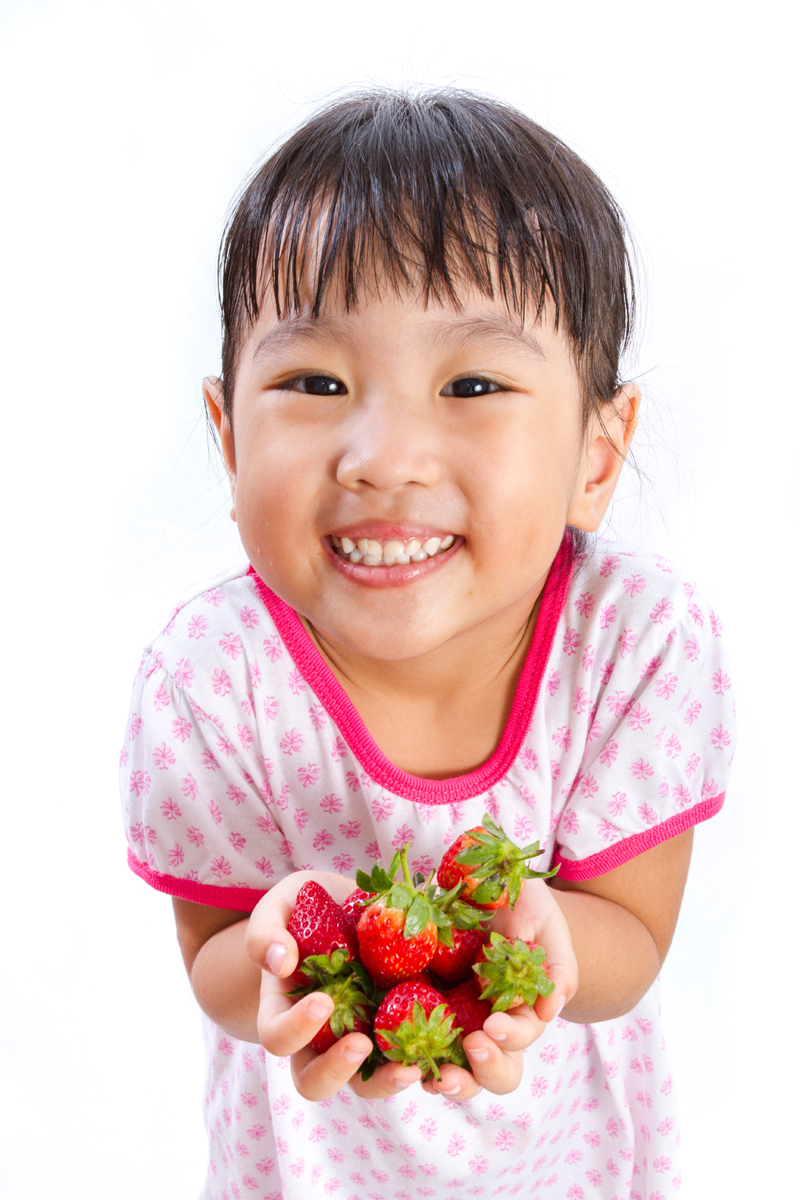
<point x="433" y="189"/>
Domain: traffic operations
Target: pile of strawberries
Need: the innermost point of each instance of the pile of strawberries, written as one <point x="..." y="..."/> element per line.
<point x="412" y="964"/>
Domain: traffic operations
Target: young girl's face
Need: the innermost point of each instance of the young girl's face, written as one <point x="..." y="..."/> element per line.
<point x="401" y="423"/>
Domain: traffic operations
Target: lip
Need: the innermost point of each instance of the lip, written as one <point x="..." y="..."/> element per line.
<point x="384" y="531"/>
<point x="399" y="575"/>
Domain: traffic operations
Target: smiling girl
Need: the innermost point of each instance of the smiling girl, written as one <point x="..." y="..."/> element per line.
<point x="424" y="302"/>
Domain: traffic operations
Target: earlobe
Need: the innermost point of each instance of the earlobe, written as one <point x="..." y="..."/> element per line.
<point x="607" y="443"/>
<point x="214" y="397"/>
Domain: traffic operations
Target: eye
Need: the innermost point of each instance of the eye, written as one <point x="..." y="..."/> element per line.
<point x="317" y="385"/>
<point x="469" y="386"/>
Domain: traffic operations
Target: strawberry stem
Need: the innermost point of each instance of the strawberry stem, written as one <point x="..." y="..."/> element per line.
<point x="404" y="864"/>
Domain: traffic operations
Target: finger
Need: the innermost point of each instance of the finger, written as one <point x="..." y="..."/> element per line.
<point x="494" y="1069"/>
<point x="268" y="942"/>
<point x="538" y="917"/>
<point x="515" y="1029"/>
<point x="456" y="1084"/>
<point x="318" y="1076"/>
<point x="389" y="1080"/>
<point x="283" y="1027"/>
<point x="566" y="985"/>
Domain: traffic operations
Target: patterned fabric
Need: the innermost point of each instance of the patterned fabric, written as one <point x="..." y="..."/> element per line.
<point x="244" y="760"/>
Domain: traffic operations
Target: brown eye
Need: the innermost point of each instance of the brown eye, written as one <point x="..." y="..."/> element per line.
<point x="469" y="386"/>
<point x="319" y="385"/>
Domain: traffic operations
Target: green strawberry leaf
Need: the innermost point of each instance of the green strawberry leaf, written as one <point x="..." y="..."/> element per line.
<point x="445" y="935"/>
<point x="417" y="917"/>
<point x="472" y="856"/>
<point x="395" y="863"/>
<point x="488" y="891"/>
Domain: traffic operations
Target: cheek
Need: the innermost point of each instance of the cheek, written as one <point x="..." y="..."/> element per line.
<point x="522" y="485"/>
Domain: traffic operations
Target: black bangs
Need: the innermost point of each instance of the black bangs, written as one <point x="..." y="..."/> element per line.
<point x="431" y="192"/>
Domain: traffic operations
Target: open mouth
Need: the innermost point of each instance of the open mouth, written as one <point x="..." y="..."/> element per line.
<point x="369" y="552"/>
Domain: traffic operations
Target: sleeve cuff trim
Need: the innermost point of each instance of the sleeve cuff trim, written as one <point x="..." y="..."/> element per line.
<point x="241" y="899"/>
<point x="621" y="852"/>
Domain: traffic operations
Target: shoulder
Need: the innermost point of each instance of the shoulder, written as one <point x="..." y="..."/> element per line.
<point x="616" y="584"/>
<point x="220" y="616"/>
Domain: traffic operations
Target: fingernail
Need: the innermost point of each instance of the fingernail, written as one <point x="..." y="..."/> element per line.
<point x="401" y="1084"/>
<point x="480" y="1055"/>
<point x="276" y="957"/>
<point x="319" y="1008"/>
<point x="498" y="1037"/>
<point x="353" y="1054"/>
<point x="450" y="1091"/>
<point x="561" y="1005"/>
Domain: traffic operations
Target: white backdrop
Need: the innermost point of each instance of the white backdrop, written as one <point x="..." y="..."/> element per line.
<point x="127" y="127"/>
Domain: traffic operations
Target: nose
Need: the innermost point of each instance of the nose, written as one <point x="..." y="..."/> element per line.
<point x="388" y="445"/>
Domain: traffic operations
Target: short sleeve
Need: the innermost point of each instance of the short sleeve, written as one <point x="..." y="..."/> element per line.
<point x="198" y="823"/>
<point x="660" y="744"/>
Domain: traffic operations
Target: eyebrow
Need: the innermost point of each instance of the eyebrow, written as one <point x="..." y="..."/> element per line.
<point x="485" y="327"/>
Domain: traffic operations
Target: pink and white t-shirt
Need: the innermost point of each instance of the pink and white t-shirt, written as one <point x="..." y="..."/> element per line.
<point x="244" y="760"/>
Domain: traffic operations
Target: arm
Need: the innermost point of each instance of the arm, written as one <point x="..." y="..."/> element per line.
<point x="224" y="981"/>
<point x="622" y="925"/>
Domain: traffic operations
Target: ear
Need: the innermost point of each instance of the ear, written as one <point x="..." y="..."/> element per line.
<point x="605" y="450"/>
<point x="215" y="403"/>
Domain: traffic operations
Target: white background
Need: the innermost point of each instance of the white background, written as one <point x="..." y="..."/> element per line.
<point x="127" y="128"/>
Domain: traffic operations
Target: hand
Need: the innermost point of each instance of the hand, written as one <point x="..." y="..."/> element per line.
<point x="286" y="1026"/>
<point x="495" y="1053"/>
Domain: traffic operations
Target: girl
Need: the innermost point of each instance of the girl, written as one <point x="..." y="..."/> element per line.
<point x="424" y="304"/>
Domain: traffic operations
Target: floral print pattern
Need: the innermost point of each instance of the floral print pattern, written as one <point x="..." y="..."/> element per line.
<point x="238" y="768"/>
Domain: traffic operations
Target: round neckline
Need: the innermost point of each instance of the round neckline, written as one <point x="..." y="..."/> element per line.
<point x="340" y="708"/>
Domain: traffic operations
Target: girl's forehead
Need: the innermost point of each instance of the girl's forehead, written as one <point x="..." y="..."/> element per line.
<point x="470" y="320"/>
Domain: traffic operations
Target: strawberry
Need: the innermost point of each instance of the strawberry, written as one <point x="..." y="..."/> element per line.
<point x="397" y="933"/>
<point x="460" y="941"/>
<point x="351" y="990"/>
<point x="453" y="964"/>
<point x="470" y="1009"/>
<point x="319" y="925"/>
<point x="511" y="973"/>
<point x="356" y="902"/>
<point x="414" y="1025"/>
<point x="490" y="866"/>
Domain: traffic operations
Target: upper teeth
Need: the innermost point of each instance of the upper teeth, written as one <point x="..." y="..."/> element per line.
<point x="373" y="553"/>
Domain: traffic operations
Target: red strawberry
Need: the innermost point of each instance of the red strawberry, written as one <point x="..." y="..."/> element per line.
<point x="415" y="1026"/>
<point x="356" y="902"/>
<point x="351" y="990"/>
<point x="319" y="926"/>
<point x="454" y="963"/>
<point x="397" y="933"/>
<point x="471" y="1011"/>
<point x="387" y="951"/>
<point x="490" y="866"/>
<point x="511" y="973"/>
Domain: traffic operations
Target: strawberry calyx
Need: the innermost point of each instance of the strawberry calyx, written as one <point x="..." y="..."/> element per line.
<point x="349" y="986"/>
<point x="419" y="902"/>
<point x="424" y="1040"/>
<point x="460" y="915"/>
<point x="490" y="864"/>
<point x="511" y="973"/>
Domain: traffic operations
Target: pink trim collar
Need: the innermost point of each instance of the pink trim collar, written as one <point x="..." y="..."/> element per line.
<point x="342" y="711"/>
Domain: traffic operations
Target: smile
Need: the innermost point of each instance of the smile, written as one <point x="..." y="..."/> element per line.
<point x="369" y="552"/>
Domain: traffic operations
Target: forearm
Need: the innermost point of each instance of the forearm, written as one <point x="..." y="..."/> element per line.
<point x="227" y="983"/>
<point x="618" y="959"/>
